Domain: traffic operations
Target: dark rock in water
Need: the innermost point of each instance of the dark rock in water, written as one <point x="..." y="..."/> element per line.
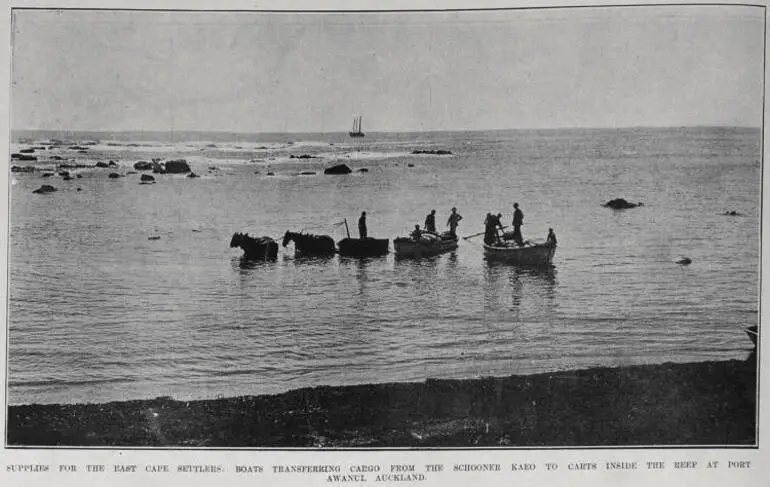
<point x="131" y="172"/>
<point x="78" y="176"/>
<point x="178" y="166"/>
<point x="78" y="148"/>
<point x="620" y="204"/>
<point x="733" y="213"/>
<point x="22" y="169"/>
<point x="82" y="152"/>
<point x="143" y="166"/>
<point x="80" y="189"/>
<point x="47" y="174"/>
<point x="410" y="165"/>
<point x="46" y="188"/>
<point x="338" y="169"/>
<point x="192" y="175"/>
<point x="255" y="172"/>
<point x="67" y="178"/>
<point x="211" y="146"/>
<point x="146" y="179"/>
<point x="114" y="175"/>
<point x="73" y="166"/>
<point x="303" y="156"/>
<point x="684" y="261"/>
<point x="157" y="168"/>
<point x="271" y="174"/>
<point x="307" y="173"/>
<point x="23" y="157"/>
<point x="101" y="164"/>
<point x="436" y="152"/>
<point x="27" y="151"/>
<point x="57" y="158"/>
<point x="112" y="164"/>
<point x="363" y="169"/>
<point x="64" y="174"/>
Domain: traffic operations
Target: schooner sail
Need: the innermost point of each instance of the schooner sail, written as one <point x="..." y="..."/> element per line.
<point x="356" y="132"/>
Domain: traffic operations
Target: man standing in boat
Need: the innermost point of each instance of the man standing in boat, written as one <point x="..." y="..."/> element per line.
<point x="518" y="221"/>
<point x="362" y="226"/>
<point x="453" y="221"/>
<point x="491" y="225"/>
<point x="551" y="239"/>
<point x="430" y="222"/>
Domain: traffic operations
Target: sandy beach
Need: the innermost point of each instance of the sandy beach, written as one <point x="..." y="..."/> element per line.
<point x="709" y="403"/>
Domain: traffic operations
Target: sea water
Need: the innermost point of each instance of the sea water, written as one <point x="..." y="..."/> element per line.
<point x="98" y="311"/>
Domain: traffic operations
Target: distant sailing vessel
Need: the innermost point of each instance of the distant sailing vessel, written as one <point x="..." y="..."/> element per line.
<point x="356" y="132"/>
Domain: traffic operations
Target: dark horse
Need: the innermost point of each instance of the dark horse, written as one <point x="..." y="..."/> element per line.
<point x="308" y="244"/>
<point x="262" y="248"/>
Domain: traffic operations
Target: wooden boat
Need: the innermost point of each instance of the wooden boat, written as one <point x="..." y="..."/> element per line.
<point x="429" y="244"/>
<point x="752" y="332"/>
<point x="531" y="253"/>
<point x="356" y="132"/>
<point x="363" y="247"/>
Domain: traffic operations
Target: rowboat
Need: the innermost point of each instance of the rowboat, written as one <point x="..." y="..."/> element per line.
<point x="363" y="247"/>
<point x="752" y="333"/>
<point x="427" y="245"/>
<point x="531" y="253"/>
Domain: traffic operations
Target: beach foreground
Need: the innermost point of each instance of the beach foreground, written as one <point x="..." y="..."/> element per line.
<point x="710" y="403"/>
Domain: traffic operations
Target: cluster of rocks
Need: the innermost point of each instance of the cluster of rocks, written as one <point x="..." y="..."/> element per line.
<point x="178" y="166"/>
<point x="303" y="156"/>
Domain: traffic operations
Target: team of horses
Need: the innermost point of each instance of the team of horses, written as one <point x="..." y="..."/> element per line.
<point x="266" y="248"/>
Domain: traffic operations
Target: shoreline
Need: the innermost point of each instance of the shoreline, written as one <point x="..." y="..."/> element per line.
<point x="704" y="403"/>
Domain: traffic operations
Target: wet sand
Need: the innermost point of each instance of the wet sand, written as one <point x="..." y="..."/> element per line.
<point x="709" y="403"/>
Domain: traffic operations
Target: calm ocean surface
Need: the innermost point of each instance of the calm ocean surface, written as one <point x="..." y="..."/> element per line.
<point x="98" y="312"/>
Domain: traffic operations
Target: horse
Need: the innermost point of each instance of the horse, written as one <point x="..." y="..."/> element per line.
<point x="262" y="248"/>
<point x="308" y="244"/>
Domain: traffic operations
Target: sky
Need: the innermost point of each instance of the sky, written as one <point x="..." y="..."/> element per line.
<point x="288" y="72"/>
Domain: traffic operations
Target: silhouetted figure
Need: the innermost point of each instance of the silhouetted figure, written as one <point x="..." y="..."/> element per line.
<point x="518" y="221"/>
<point x="430" y="222"/>
<point x="362" y="225"/>
<point x="551" y="239"/>
<point x="416" y="233"/>
<point x="491" y="225"/>
<point x="453" y="221"/>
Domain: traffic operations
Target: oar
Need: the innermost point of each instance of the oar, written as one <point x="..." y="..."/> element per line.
<point x="479" y="234"/>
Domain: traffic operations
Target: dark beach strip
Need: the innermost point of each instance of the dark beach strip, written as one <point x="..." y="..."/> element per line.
<point x="709" y="403"/>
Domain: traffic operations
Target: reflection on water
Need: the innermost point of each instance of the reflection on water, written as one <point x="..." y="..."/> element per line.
<point x="507" y="283"/>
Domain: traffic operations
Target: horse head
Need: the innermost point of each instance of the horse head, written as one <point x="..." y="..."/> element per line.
<point x="287" y="237"/>
<point x="236" y="240"/>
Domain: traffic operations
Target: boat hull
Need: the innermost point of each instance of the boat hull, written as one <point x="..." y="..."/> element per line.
<point x="407" y="247"/>
<point x="530" y="255"/>
<point x="366" y="247"/>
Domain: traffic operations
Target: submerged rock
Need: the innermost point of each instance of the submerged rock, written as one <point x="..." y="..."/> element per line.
<point x="147" y="179"/>
<point x="46" y="188"/>
<point x="434" y="152"/>
<point x="307" y="173"/>
<point x="178" y="166"/>
<point x="621" y="204"/>
<point x="192" y="175"/>
<point x="363" y="169"/>
<point x="684" y="261"/>
<point x="143" y="166"/>
<point x="114" y="175"/>
<point x="338" y="169"/>
<point x="23" y="157"/>
<point x="101" y="164"/>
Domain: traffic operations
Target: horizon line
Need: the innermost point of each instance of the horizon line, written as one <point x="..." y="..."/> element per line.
<point x="202" y="131"/>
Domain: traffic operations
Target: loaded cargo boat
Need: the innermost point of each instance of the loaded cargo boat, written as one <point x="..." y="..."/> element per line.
<point x="427" y="245"/>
